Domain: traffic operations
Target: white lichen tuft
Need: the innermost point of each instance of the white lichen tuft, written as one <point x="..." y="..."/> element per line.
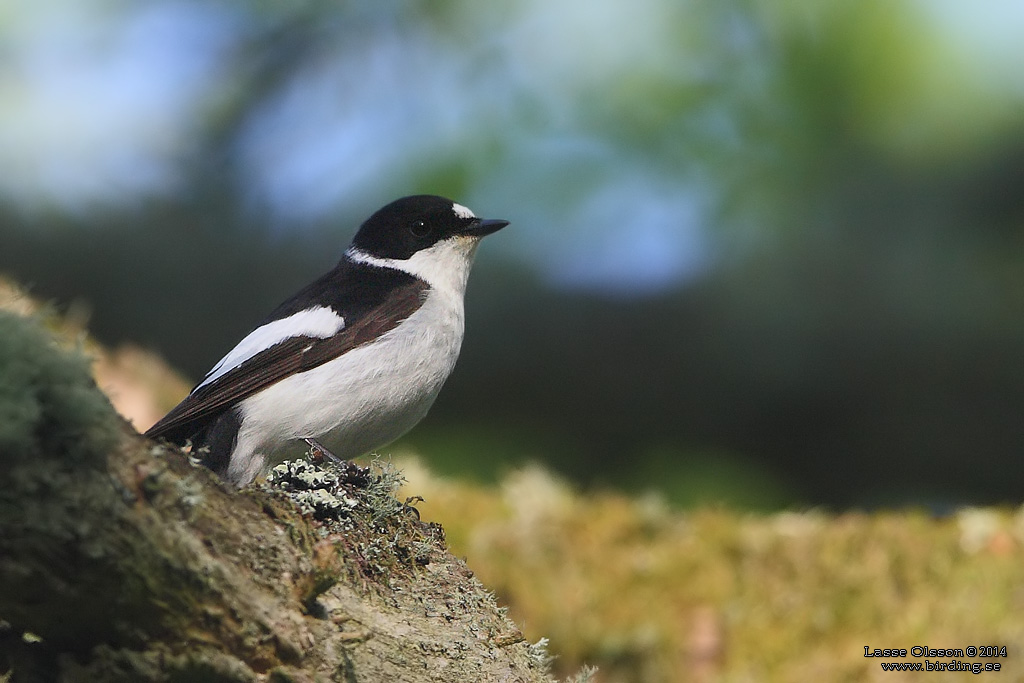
<point x="584" y="675"/>
<point x="386" y="479"/>
<point x="538" y="653"/>
<point x="316" y="491"/>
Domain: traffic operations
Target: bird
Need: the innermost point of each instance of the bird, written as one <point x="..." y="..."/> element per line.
<point x="353" y="360"/>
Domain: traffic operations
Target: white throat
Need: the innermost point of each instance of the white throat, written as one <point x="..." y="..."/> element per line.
<point x="444" y="266"/>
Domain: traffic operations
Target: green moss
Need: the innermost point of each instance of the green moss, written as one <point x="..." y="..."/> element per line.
<point x="49" y="405"/>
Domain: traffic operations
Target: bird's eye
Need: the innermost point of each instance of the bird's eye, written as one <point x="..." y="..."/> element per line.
<point x="419" y="229"/>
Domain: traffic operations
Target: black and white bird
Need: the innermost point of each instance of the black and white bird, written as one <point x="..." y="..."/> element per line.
<point x="352" y="361"/>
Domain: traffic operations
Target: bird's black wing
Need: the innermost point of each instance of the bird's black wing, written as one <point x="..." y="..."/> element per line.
<point x="371" y="303"/>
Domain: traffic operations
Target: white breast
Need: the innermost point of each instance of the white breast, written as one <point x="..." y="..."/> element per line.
<point x="360" y="401"/>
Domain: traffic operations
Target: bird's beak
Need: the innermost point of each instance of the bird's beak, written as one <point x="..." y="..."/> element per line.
<point x="484" y="226"/>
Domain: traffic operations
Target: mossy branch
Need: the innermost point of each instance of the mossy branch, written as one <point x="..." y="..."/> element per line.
<point x="121" y="560"/>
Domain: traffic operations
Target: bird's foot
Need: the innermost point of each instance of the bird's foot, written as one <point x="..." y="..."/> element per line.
<point x="318" y="452"/>
<point x="348" y="471"/>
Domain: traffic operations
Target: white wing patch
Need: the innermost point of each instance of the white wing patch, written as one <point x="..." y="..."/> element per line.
<point x="318" y="321"/>
<point x="462" y="212"/>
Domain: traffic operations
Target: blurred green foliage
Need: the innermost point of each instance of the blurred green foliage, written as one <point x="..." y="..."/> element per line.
<point x="855" y="335"/>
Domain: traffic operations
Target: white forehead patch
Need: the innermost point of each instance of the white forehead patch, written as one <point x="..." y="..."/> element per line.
<point x="462" y="212"/>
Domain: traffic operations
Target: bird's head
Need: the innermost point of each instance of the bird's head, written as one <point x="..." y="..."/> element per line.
<point x="414" y="224"/>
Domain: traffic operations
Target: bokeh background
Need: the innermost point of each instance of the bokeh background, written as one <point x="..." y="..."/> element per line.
<point x="764" y="253"/>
